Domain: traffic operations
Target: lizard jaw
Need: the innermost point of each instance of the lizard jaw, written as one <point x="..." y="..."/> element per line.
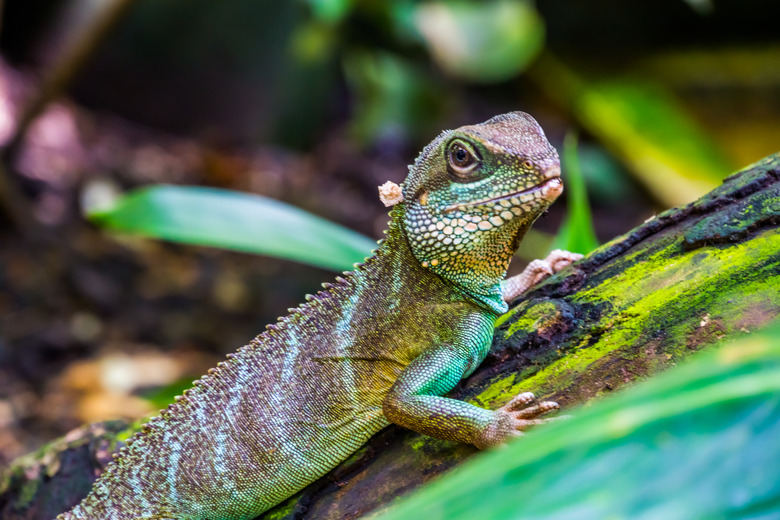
<point x="551" y="186"/>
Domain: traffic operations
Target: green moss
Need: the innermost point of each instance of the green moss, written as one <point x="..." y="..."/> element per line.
<point x="284" y="511"/>
<point x="660" y="292"/>
<point x="417" y="442"/>
<point x="28" y="492"/>
<point x="498" y="389"/>
<point x="535" y="318"/>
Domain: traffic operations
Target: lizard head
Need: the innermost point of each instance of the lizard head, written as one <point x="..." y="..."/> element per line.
<point x="473" y="193"/>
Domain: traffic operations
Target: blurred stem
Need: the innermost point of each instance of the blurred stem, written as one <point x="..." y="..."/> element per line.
<point x="13" y="203"/>
<point x="579" y="208"/>
<point x="63" y="73"/>
<point x="69" y="65"/>
<point x="576" y="233"/>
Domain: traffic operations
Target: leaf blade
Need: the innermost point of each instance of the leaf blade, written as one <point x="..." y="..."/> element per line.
<point x="236" y="221"/>
<point x="576" y="233"/>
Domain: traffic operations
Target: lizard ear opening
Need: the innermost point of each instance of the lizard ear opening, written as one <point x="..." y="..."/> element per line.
<point x="390" y="194"/>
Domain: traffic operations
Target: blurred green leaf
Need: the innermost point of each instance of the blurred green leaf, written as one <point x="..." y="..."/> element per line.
<point x="393" y="98"/>
<point x="480" y="41"/>
<point x="644" y="126"/>
<point x="161" y="397"/>
<point x="607" y="180"/>
<point x="576" y="233"/>
<point x="330" y="11"/>
<point x="313" y="42"/>
<point x="699" y="441"/>
<point x="535" y="244"/>
<point x="237" y="221"/>
<point x="701" y="6"/>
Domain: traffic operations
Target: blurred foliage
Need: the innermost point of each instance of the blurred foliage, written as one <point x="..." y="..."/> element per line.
<point x="396" y="97"/>
<point x="576" y="233"/>
<point x="237" y="221"/>
<point x="408" y="69"/>
<point x="481" y="41"/>
<point x="406" y="66"/>
<point x="700" y="441"/>
<point x="391" y="95"/>
<point x="644" y="126"/>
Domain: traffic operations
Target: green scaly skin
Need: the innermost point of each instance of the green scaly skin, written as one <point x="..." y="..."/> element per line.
<point x="380" y="345"/>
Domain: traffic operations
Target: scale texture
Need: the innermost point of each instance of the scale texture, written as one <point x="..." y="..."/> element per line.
<point x="381" y="344"/>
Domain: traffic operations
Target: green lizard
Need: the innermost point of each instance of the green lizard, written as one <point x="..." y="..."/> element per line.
<point x="379" y="346"/>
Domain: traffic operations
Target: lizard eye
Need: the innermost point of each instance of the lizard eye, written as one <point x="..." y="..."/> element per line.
<point x="462" y="159"/>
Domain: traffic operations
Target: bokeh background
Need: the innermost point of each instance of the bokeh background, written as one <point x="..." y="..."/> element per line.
<point x="313" y="103"/>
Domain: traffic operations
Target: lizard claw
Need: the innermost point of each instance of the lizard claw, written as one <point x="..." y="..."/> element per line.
<point x="538" y="270"/>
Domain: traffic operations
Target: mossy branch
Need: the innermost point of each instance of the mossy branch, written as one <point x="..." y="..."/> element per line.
<point x="685" y="280"/>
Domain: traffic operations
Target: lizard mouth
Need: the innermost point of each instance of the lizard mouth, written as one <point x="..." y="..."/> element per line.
<point x="551" y="183"/>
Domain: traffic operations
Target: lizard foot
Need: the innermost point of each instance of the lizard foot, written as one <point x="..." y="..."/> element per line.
<point x="517" y="415"/>
<point x="536" y="271"/>
<point x="525" y="415"/>
<point x="558" y="259"/>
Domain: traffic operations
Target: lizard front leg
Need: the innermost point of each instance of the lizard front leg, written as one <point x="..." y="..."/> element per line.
<point x="414" y="402"/>
<point x="535" y="272"/>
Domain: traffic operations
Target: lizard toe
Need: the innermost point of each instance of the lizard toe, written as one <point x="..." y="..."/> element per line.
<point x="536" y="410"/>
<point x="520" y="400"/>
<point x="558" y="259"/>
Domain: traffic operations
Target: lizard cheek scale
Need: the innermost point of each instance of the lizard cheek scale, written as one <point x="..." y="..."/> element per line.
<point x="380" y="345"/>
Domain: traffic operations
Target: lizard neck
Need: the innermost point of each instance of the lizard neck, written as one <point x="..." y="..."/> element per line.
<point x="477" y="281"/>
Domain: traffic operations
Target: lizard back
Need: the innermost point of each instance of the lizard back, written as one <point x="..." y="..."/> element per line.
<point x="265" y="412"/>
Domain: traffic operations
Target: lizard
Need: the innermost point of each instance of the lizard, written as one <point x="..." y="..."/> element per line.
<point x="381" y="345"/>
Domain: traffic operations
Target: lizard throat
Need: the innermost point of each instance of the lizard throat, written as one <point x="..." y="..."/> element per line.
<point x="552" y="184"/>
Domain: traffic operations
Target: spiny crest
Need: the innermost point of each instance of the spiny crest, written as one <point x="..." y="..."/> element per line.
<point x="201" y="386"/>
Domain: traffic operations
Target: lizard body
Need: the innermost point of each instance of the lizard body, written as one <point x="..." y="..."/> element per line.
<point x="380" y="345"/>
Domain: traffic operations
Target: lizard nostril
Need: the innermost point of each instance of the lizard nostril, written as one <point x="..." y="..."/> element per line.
<point x="552" y="171"/>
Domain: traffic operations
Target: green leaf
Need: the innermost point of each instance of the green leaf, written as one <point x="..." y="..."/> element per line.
<point x="392" y="97"/>
<point x="481" y="41"/>
<point x="699" y="441"/>
<point x="535" y="244"/>
<point x="330" y="11"/>
<point x="644" y="126"/>
<point x="237" y="221"/>
<point x="701" y="6"/>
<point x="576" y="233"/>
